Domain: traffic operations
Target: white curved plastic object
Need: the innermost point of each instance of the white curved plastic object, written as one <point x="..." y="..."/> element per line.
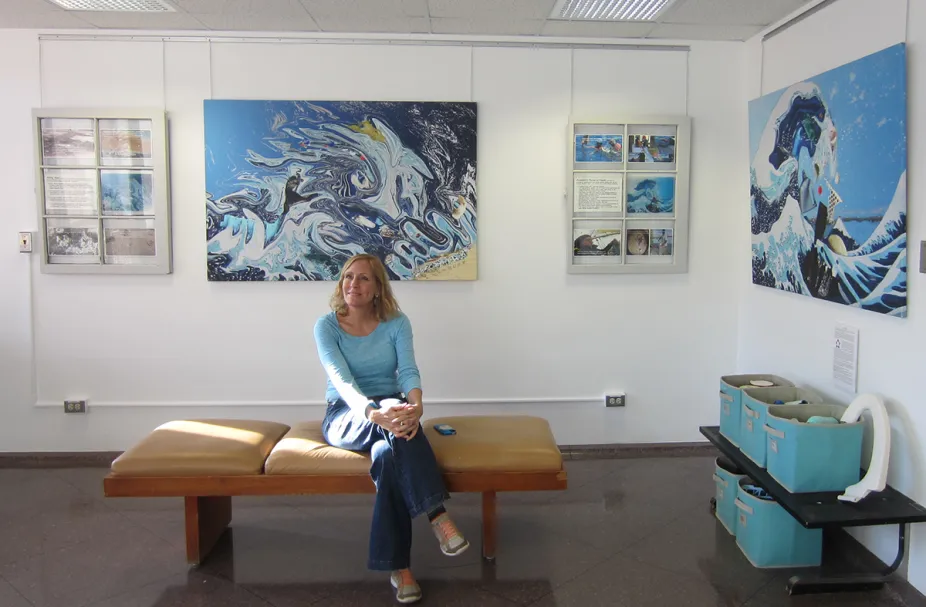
<point x="875" y="478"/>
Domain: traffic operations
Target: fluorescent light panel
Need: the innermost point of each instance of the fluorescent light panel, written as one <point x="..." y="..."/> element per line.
<point x="609" y="10"/>
<point x="123" y="6"/>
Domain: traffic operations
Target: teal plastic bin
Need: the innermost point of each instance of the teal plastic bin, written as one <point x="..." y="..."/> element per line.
<point x="811" y="457"/>
<point x="756" y="401"/>
<point x="731" y="401"/>
<point x="726" y="479"/>
<point x="770" y="537"/>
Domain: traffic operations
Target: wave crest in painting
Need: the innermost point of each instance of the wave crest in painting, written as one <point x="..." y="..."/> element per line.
<point x="829" y="185"/>
<point x="654" y="194"/>
<point x="296" y="188"/>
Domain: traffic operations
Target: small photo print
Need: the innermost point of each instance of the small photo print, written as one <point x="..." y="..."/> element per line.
<point x="71" y="241"/>
<point x="589" y="243"/>
<point x="125" y="142"/>
<point x="127" y="192"/>
<point x="661" y="242"/>
<point x="599" y="148"/>
<point x="638" y="242"/>
<point x="130" y="242"/>
<point x="130" y="144"/>
<point x="650" y="148"/>
<point x="68" y="141"/>
<point x="650" y="194"/>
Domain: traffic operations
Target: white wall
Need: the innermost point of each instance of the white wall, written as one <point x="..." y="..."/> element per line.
<point x="525" y="338"/>
<point x="793" y="335"/>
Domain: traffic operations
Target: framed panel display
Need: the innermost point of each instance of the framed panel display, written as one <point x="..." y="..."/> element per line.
<point x="103" y="190"/>
<point x="627" y="195"/>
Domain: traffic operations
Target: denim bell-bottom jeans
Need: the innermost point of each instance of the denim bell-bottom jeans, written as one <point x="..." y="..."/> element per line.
<point x="405" y="472"/>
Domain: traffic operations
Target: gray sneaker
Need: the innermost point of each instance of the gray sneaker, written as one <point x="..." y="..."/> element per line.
<point x="407" y="589"/>
<point x="451" y="540"/>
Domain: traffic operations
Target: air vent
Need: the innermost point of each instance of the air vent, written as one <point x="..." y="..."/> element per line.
<point x="124" y="6"/>
<point x="609" y="10"/>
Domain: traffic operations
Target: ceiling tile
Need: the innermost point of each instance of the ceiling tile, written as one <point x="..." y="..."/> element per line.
<point x="679" y="31"/>
<point x="686" y="19"/>
<point x="725" y="12"/>
<point x="487" y="27"/>
<point x="55" y="19"/>
<point x="258" y="23"/>
<point x="524" y="9"/>
<point x="596" y="29"/>
<point x="276" y="8"/>
<point x="361" y="24"/>
<point x="368" y="8"/>
<point x="124" y="20"/>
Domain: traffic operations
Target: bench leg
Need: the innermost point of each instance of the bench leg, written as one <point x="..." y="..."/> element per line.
<point x="207" y="519"/>
<point x="489" y="525"/>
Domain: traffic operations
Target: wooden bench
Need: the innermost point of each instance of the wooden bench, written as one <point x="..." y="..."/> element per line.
<point x="208" y="461"/>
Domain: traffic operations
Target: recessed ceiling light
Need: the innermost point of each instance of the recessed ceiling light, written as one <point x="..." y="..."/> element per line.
<point x="129" y="6"/>
<point x="609" y="10"/>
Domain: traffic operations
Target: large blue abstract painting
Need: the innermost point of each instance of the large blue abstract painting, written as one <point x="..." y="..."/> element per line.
<point x="829" y="185"/>
<point x="294" y="188"/>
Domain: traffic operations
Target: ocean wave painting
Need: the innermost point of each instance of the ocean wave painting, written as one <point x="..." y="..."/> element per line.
<point x="650" y="193"/>
<point x="829" y="185"/>
<point x="294" y="188"/>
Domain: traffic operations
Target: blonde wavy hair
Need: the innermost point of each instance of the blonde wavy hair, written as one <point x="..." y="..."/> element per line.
<point x="383" y="300"/>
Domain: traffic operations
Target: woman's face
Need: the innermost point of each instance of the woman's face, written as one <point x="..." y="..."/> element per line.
<point x="359" y="284"/>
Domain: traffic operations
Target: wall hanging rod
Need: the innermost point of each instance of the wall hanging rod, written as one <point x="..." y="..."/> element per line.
<point x="410" y="41"/>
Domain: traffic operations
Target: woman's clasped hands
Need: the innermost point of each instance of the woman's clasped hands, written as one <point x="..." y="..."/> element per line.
<point x="398" y="417"/>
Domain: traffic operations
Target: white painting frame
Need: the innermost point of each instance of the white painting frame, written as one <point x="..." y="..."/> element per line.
<point x="662" y="161"/>
<point x="147" y="157"/>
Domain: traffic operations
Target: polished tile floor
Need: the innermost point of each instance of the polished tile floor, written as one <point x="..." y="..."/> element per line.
<point x="628" y="532"/>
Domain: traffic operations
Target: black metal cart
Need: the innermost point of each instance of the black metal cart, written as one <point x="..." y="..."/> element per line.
<point x="824" y="510"/>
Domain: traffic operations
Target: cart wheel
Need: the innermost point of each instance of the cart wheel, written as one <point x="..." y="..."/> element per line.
<point x="713" y="505"/>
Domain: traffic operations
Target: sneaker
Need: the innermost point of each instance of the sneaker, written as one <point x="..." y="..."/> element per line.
<point x="407" y="589"/>
<point x="451" y="540"/>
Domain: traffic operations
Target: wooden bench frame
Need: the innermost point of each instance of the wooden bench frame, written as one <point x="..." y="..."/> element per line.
<point x="208" y="508"/>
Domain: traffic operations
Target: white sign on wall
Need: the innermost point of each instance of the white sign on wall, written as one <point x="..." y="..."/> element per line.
<point x="845" y="358"/>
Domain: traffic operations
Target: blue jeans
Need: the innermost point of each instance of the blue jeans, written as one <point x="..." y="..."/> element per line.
<point x="405" y="472"/>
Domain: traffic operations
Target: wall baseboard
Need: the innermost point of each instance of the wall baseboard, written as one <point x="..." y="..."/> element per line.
<point x="56" y="459"/>
<point x="637" y="450"/>
<point x="103" y="459"/>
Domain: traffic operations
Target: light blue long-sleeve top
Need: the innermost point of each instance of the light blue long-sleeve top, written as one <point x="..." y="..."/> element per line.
<point x="377" y="364"/>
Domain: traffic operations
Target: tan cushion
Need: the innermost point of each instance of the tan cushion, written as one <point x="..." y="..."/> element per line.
<point x="304" y="451"/>
<point x="482" y="443"/>
<point x="202" y="447"/>
<point x="508" y="443"/>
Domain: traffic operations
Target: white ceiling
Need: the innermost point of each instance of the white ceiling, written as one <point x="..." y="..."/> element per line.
<point x="686" y="19"/>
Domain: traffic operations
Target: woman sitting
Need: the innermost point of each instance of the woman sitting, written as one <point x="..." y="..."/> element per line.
<point x="365" y="345"/>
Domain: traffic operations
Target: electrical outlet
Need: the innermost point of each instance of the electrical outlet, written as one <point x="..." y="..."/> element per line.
<point x="25" y="242"/>
<point x="75" y="406"/>
<point x="615" y="400"/>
